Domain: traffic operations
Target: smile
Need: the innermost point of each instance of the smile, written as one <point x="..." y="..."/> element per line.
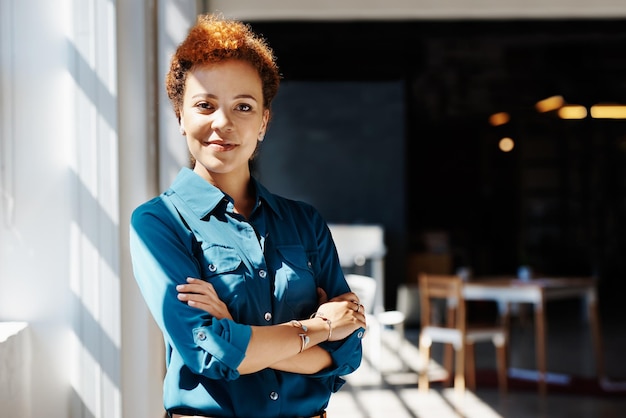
<point x="220" y="146"/>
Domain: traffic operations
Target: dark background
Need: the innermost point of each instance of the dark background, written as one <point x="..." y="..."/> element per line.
<point x="556" y="202"/>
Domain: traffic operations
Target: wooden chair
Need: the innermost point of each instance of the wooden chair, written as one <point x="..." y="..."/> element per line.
<point x="455" y="332"/>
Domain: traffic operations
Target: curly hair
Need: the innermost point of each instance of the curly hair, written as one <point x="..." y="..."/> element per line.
<point x="215" y="39"/>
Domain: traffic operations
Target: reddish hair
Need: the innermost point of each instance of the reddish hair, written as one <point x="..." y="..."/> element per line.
<point x="215" y="39"/>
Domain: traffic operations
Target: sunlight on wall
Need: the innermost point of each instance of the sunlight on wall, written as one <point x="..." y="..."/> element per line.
<point x="95" y="338"/>
<point x="93" y="171"/>
<point x="89" y="382"/>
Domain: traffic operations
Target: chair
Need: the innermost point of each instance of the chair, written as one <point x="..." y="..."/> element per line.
<point x="365" y="287"/>
<point x="446" y="291"/>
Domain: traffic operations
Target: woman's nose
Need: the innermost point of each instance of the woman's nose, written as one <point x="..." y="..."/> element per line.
<point x="221" y="121"/>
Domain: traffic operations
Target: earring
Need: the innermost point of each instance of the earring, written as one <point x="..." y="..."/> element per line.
<point x="261" y="137"/>
<point x="182" y="130"/>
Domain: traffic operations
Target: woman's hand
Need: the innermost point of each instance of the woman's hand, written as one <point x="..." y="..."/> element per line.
<point x="202" y="295"/>
<point x="345" y="313"/>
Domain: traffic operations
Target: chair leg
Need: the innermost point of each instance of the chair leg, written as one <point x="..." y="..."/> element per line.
<point x="501" y="354"/>
<point x="471" y="366"/>
<point x="448" y="350"/>
<point x="424" y="353"/>
<point x="400" y="331"/>
<point x="459" y="376"/>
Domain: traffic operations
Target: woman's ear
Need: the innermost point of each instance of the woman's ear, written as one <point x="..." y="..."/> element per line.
<point x="263" y="128"/>
<point x="181" y="127"/>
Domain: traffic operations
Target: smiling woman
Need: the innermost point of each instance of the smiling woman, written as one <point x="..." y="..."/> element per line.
<point x="246" y="285"/>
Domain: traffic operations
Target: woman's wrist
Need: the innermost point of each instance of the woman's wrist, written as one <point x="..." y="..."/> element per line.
<point x="321" y="316"/>
<point x="315" y="330"/>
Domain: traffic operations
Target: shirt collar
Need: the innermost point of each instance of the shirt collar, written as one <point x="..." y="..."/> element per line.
<point x="266" y="196"/>
<point x="202" y="197"/>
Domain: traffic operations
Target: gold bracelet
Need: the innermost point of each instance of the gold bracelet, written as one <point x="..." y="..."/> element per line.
<point x="323" y="318"/>
<point x="305" y="338"/>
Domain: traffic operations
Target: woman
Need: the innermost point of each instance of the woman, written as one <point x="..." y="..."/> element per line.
<point x="246" y="286"/>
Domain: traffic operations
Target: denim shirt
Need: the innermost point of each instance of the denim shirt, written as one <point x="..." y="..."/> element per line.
<point x="266" y="269"/>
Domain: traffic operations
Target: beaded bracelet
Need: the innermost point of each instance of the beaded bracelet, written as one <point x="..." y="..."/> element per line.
<point x="305" y="338"/>
<point x="323" y="318"/>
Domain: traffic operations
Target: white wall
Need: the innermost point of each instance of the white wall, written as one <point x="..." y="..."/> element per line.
<point x="59" y="246"/>
<point x="142" y="358"/>
<point x="38" y="190"/>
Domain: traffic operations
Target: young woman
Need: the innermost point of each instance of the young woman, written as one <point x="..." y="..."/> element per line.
<point x="246" y="286"/>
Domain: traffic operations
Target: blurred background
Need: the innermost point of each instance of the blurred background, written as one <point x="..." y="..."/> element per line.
<point x="478" y="136"/>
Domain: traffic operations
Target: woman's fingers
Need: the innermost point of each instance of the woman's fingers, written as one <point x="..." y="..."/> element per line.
<point x="202" y="295"/>
<point x="196" y="286"/>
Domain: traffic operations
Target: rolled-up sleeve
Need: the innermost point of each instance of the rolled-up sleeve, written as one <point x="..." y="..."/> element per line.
<point x="346" y="355"/>
<point x="162" y="252"/>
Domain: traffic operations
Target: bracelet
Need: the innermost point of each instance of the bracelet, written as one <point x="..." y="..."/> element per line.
<point x="305" y="338"/>
<point x="323" y="318"/>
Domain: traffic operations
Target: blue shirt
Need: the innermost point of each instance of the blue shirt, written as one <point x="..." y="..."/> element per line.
<point x="266" y="269"/>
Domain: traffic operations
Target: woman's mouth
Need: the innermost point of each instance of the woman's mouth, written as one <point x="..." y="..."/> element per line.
<point x="220" y="146"/>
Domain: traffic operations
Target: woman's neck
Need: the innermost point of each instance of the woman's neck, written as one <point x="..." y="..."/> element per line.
<point x="238" y="187"/>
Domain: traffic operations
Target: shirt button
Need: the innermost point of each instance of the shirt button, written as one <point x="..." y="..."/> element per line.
<point x="201" y="336"/>
<point x="274" y="396"/>
<point x="308" y="263"/>
<point x="262" y="274"/>
<point x="212" y="267"/>
<point x="268" y="316"/>
<point x="360" y="334"/>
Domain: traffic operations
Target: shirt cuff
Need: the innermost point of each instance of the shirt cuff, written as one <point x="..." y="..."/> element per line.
<point x="346" y="354"/>
<point x="225" y="341"/>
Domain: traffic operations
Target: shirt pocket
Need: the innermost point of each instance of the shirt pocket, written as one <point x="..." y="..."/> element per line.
<point x="224" y="269"/>
<point x="296" y="279"/>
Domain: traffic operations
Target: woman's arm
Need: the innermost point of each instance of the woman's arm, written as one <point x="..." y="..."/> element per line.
<point x="279" y="346"/>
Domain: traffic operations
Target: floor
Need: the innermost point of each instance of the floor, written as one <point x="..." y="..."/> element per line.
<point x="392" y="392"/>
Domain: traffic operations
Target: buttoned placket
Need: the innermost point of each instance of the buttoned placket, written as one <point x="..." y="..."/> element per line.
<point x="259" y="270"/>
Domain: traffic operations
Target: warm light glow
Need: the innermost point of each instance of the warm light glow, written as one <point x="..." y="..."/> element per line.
<point x="551" y="103"/>
<point x="573" y="112"/>
<point x="498" y="119"/>
<point x="605" y="111"/>
<point x="506" y="144"/>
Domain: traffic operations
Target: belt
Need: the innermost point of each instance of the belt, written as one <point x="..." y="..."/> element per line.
<point x="321" y="415"/>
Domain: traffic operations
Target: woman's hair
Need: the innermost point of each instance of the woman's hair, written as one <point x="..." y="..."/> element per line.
<point x="215" y="39"/>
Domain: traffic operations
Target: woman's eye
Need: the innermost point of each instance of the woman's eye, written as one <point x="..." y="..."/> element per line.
<point x="204" y="105"/>
<point x="244" y="107"/>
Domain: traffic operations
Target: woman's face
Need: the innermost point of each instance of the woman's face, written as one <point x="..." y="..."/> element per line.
<point x="223" y="117"/>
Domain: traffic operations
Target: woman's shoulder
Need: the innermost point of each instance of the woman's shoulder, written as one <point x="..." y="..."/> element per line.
<point x="150" y="212"/>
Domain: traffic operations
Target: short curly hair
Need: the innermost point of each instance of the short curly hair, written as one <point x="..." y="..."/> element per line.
<point x="214" y="39"/>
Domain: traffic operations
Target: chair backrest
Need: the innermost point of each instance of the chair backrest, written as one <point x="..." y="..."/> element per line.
<point x="438" y="290"/>
<point x="365" y="288"/>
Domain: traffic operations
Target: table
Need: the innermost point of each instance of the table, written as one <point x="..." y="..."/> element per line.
<point x="537" y="291"/>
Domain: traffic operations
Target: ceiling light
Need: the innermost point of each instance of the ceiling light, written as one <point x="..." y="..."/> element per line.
<point x="605" y="111"/>
<point x="506" y="144"/>
<point x="573" y="112"/>
<point x="498" y="119"/>
<point x="551" y="103"/>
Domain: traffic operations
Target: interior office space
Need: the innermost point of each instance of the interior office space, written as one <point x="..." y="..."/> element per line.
<point x="555" y="201"/>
